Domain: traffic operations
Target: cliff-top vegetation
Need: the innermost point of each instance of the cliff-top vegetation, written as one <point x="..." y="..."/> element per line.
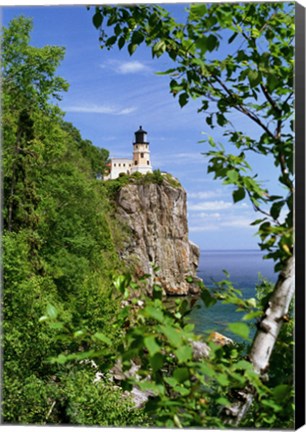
<point x="155" y="177"/>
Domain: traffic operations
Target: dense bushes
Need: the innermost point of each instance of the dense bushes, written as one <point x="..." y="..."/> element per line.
<point x="59" y="243"/>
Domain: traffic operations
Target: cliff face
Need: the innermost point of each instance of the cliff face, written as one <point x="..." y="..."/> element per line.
<point x="156" y="216"/>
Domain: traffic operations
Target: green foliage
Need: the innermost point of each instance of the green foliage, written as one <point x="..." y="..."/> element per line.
<point x="185" y="389"/>
<point x="155" y="177"/>
<point x="59" y="243"/>
<point x="74" y="396"/>
<point x="97" y="403"/>
<point x="97" y="157"/>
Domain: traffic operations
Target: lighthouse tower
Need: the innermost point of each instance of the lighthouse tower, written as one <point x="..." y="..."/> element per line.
<point x="141" y="153"/>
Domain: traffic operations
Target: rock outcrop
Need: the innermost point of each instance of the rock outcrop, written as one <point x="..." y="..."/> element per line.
<point x="156" y="215"/>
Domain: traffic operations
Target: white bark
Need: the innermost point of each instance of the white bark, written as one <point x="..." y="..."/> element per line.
<point x="273" y="319"/>
<point x="266" y="336"/>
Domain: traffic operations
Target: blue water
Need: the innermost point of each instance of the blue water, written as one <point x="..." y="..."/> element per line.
<point x="244" y="267"/>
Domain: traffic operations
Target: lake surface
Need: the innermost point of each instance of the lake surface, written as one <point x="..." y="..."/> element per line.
<point x="244" y="267"/>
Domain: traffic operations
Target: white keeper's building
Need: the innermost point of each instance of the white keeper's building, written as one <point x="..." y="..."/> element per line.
<point x="141" y="161"/>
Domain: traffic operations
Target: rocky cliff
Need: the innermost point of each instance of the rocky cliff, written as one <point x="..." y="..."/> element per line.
<point x="156" y="217"/>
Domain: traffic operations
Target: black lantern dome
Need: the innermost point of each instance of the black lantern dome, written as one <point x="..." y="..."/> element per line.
<point x="141" y="136"/>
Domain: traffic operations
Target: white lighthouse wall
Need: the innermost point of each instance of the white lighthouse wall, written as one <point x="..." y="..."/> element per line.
<point x="118" y="166"/>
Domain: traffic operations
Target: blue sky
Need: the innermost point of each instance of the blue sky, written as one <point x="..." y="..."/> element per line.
<point x="111" y="94"/>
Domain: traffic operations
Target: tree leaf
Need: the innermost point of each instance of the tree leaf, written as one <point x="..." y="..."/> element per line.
<point x="201" y="43"/>
<point x="172" y="335"/>
<point x="97" y="19"/>
<point x="252" y="315"/>
<point x="121" y="42"/>
<point x="167" y="72"/>
<point x="212" y="42"/>
<point x="207" y="369"/>
<point x="222" y="379"/>
<point x="171" y="381"/>
<point x="238" y="194"/>
<point x="276" y="209"/>
<point x="100" y="336"/>
<point x="183" y="353"/>
<point x="223" y="401"/>
<point x="198" y="10"/>
<point x="233" y="176"/>
<point x="207" y="298"/>
<point x="272" y="82"/>
<point x="240" y="329"/>
<point x="281" y="392"/>
<point x="154" y="313"/>
<point x="137" y="38"/>
<point x="132" y="48"/>
<point x="181" y="374"/>
<point x="52" y="311"/>
<point x="110" y="41"/>
<point x="159" y="48"/>
<point x="151" y="345"/>
<point x="254" y="77"/>
<point x="157" y="361"/>
<point x="183" y="99"/>
<point x="221" y="119"/>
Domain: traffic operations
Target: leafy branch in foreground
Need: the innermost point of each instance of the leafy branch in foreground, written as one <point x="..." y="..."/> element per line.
<point x="186" y="381"/>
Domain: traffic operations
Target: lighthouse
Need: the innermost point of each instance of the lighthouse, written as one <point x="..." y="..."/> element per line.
<point x="141" y="159"/>
<point x="141" y="153"/>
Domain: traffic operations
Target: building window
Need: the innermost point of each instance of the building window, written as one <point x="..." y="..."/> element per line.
<point x="114" y="164"/>
<point x="136" y="162"/>
<point x="137" y="146"/>
<point x="141" y="155"/>
<point x="148" y="162"/>
<point x="119" y="165"/>
<point x="130" y="165"/>
<point x="124" y="165"/>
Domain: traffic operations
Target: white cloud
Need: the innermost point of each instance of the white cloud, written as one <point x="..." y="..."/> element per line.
<point x="210" y="215"/>
<point x="237" y="222"/>
<point x="132" y="67"/>
<point x="210" y="206"/>
<point x="124" y="68"/>
<point x="206" y="194"/>
<point x="100" y="109"/>
<point x="127" y="110"/>
<point x="213" y="223"/>
<point x="204" y="227"/>
<point x="179" y="159"/>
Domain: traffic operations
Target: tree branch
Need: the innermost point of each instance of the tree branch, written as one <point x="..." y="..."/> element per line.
<point x="269" y="99"/>
<point x="242" y="108"/>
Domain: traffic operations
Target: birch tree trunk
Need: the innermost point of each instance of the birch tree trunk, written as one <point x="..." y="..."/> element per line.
<point x="266" y="336"/>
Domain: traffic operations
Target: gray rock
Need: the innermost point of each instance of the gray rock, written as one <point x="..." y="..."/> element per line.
<point x="200" y="350"/>
<point x="139" y="397"/>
